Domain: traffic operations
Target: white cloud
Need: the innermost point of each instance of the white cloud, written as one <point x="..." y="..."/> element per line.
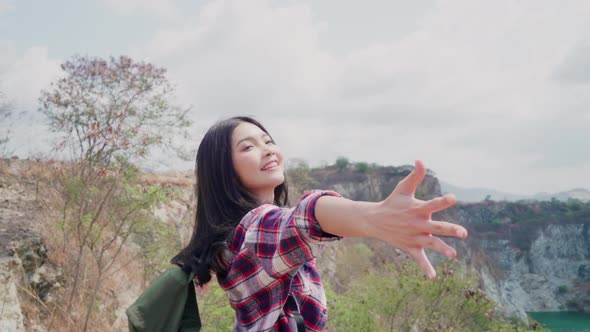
<point x="576" y="66"/>
<point x="21" y="81"/>
<point x="6" y="6"/>
<point x="471" y="89"/>
<point x="488" y="94"/>
<point x="157" y="8"/>
<point x="245" y="54"/>
<point x="24" y="78"/>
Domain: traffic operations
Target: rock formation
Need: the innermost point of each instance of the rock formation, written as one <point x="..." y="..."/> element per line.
<point x="526" y="262"/>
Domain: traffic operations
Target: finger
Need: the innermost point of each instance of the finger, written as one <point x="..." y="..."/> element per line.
<point x="420" y="256"/>
<point x="438" y="204"/>
<point x="442" y="228"/>
<point x="407" y="186"/>
<point x="436" y="244"/>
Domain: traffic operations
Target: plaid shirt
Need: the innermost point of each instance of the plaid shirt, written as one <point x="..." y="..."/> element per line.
<point x="271" y="256"/>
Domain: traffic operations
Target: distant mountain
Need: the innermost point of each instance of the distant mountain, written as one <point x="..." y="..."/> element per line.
<point x="577" y="193"/>
<point x="480" y="194"/>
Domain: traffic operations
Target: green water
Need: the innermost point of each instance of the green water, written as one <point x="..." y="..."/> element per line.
<point x="563" y="321"/>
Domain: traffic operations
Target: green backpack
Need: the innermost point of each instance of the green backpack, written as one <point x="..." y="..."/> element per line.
<point x="168" y="304"/>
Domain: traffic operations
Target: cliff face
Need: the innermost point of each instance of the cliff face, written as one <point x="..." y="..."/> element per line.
<point x="530" y="256"/>
<point x="371" y="185"/>
<point x="551" y="276"/>
<point x="18" y="209"/>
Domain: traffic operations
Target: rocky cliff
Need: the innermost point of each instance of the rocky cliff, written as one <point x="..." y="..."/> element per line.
<point x="539" y="264"/>
<point x="372" y="184"/>
<point x="22" y="253"/>
<point x="551" y="276"/>
<point x="530" y="256"/>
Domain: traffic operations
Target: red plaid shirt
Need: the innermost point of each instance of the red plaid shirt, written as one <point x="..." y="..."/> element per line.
<point x="271" y="256"/>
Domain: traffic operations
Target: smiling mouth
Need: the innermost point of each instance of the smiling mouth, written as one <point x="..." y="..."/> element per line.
<point x="271" y="165"/>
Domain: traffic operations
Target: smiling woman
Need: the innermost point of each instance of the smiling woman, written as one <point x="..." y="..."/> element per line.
<point x="263" y="253"/>
<point x="258" y="161"/>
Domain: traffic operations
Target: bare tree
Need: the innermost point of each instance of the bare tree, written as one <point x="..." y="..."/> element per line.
<point x="112" y="108"/>
<point x="110" y="113"/>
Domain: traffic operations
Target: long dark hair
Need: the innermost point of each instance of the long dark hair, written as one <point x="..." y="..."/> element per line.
<point x="222" y="201"/>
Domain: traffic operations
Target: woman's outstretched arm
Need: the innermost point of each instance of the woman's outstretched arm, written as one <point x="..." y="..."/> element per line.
<point x="402" y="220"/>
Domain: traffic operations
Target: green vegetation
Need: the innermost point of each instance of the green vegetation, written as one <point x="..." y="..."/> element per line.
<point x="547" y="211"/>
<point x="158" y="241"/>
<point x="529" y="212"/>
<point x="342" y="163"/>
<point x="216" y="313"/>
<point x="520" y="221"/>
<point x="99" y="212"/>
<point x="362" y="167"/>
<point x="299" y="178"/>
<point x="392" y="299"/>
<point x="395" y="299"/>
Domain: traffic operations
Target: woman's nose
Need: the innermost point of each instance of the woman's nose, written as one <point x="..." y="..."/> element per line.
<point x="270" y="150"/>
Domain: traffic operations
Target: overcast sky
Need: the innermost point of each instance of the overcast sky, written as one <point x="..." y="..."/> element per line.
<point x="487" y="93"/>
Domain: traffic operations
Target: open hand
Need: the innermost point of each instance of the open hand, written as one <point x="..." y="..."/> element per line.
<point x="406" y="222"/>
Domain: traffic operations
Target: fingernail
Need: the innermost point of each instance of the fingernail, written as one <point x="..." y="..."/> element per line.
<point x="451" y="253"/>
<point x="461" y="233"/>
<point x="451" y="198"/>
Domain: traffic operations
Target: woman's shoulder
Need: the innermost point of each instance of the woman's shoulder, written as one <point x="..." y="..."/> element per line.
<point x="305" y="205"/>
<point x="259" y="212"/>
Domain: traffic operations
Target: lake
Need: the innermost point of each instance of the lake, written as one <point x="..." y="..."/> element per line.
<point x="563" y="321"/>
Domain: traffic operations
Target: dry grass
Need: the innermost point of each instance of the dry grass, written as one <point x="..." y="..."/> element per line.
<point x="120" y="284"/>
<point x="50" y="169"/>
<point x="179" y="180"/>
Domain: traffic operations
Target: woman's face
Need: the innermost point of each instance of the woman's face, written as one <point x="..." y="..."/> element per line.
<point x="257" y="161"/>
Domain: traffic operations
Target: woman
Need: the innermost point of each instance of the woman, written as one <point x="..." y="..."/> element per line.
<point x="263" y="253"/>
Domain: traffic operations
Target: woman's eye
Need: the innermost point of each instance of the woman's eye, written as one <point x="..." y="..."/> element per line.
<point x="248" y="147"/>
<point x="270" y="142"/>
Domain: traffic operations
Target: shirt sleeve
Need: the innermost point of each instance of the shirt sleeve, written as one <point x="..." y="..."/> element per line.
<point x="284" y="239"/>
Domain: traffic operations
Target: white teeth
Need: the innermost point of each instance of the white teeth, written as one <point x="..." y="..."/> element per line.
<point x="272" y="164"/>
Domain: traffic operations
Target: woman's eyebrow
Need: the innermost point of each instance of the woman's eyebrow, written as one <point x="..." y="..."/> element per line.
<point x="251" y="138"/>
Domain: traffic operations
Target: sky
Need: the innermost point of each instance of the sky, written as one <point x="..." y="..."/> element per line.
<point x="487" y="93"/>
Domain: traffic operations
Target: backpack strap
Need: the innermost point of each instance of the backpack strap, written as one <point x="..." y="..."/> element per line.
<point x="295" y="314"/>
<point x="191" y="319"/>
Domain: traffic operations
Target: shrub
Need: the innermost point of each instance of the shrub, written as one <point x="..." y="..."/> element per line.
<point x="300" y="179"/>
<point x="362" y="167"/>
<point x="99" y="211"/>
<point x="216" y="313"/>
<point x="396" y="299"/>
<point x="342" y="163"/>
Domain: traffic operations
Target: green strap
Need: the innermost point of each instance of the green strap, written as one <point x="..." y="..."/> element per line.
<point x="191" y="319"/>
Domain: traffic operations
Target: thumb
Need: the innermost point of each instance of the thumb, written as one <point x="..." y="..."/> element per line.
<point x="408" y="185"/>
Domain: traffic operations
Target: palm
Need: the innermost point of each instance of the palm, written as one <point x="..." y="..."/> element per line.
<point x="411" y="227"/>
